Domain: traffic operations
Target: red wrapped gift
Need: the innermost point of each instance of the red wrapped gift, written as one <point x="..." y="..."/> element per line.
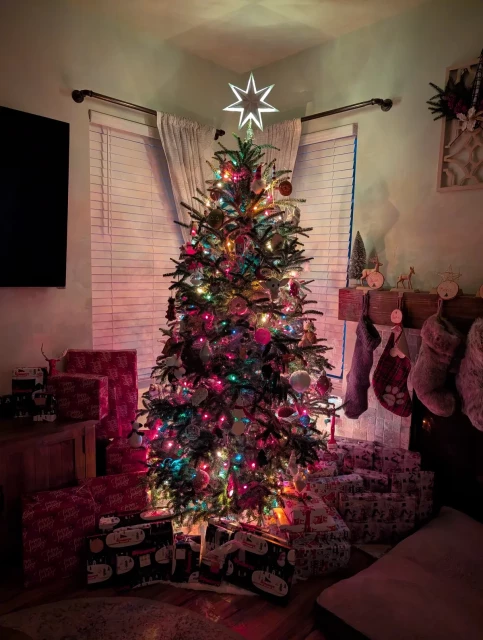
<point x="121" y="369"/>
<point x="110" y="426"/>
<point x="122" y="458"/>
<point x="125" y="492"/>
<point x="54" y="526"/>
<point x="82" y="396"/>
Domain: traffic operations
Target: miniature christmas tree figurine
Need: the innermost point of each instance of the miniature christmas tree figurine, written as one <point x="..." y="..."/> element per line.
<point x="238" y="395"/>
<point x="358" y="258"/>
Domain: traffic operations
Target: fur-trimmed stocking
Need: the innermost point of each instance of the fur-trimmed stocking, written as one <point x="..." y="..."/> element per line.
<point x="428" y="376"/>
<point x="368" y="339"/>
<point x="470" y="377"/>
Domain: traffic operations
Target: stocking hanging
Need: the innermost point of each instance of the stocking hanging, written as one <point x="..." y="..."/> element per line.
<point x="358" y="383"/>
<point x="391" y="377"/>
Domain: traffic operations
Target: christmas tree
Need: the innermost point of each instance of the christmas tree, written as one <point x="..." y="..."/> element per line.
<point x="242" y="377"/>
<point x="358" y="258"/>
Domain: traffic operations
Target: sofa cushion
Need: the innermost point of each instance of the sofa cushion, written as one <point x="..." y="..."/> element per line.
<point x="430" y="586"/>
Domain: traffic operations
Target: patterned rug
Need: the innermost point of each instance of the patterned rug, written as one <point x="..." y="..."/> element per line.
<point x="114" y="619"/>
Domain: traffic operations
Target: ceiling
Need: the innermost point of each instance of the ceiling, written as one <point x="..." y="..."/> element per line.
<point x="241" y="35"/>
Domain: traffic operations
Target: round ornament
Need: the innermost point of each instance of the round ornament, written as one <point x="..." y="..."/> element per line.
<point x="262" y="336"/>
<point x="192" y="432"/>
<point x="285" y="412"/>
<point x="201" y="480"/>
<point x="448" y="289"/>
<point x="263" y="273"/>
<point x="199" y="396"/>
<point x="258" y="184"/>
<point x="238" y="306"/>
<point x="214" y="195"/>
<point x="323" y="385"/>
<point x="397" y="316"/>
<point x="215" y="218"/>
<point x="299" y="482"/>
<point x="375" y="280"/>
<point x="275" y="242"/>
<point x="285" y="188"/>
<point x="135" y="438"/>
<point x="238" y="428"/>
<point x="300" y="381"/>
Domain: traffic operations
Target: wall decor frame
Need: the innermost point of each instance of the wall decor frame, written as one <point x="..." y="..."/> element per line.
<point x="460" y="166"/>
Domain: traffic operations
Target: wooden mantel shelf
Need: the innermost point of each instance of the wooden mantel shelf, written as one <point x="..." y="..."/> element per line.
<point x="416" y="307"/>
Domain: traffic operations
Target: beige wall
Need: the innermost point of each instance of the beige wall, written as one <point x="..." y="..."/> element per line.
<point x="47" y="48"/>
<point x="397" y="208"/>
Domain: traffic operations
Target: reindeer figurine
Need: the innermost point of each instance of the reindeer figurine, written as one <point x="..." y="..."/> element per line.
<point x="403" y="277"/>
<point x="52" y="362"/>
<point x="366" y="272"/>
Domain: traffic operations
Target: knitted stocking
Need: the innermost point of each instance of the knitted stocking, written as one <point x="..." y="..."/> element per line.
<point x="428" y="376"/>
<point x="470" y="377"/>
<point x="367" y="340"/>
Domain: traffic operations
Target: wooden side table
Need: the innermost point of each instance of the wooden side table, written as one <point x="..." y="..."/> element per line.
<point x="37" y="456"/>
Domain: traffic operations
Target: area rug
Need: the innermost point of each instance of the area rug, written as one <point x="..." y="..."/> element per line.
<point x="114" y="619"/>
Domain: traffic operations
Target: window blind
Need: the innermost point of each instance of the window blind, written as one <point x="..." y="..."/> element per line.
<point x="133" y="237"/>
<point x="324" y="176"/>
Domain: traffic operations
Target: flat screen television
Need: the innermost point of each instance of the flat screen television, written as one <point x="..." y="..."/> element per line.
<point x="34" y="188"/>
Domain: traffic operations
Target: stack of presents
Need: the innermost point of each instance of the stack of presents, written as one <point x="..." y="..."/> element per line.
<point x="358" y="492"/>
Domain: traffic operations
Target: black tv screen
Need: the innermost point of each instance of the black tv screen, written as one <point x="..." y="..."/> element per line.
<point x="34" y="187"/>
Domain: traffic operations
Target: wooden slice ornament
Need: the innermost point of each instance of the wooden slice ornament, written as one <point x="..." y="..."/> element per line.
<point x="215" y="218"/>
<point x="448" y="289"/>
<point x="479" y="293"/>
<point x="396" y="316"/>
<point x="375" y="280"/>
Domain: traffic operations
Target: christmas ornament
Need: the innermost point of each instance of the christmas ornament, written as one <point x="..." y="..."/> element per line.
<point x="275" y="242"/>
<point x="215" y="218"/>
<point x="258" y="184"/>
<point x="323" y="385"/>
<point x="263" y="273"/>
<point x="238" y="425"/>
<point x="192" y="432"/>
<point x="294" y="288"/>
<point x="300" y="482"/>
<point x="205" y="353"/>
<point x="242" y="244"/>
<point x="272" y="285"/>
<point x="374" y="279"/>
<point x="177" y="364"/>
<point x="238" y="306"/>
<point x="262" y="336"/>
<point x="285" y="188"/>
<point x="285" y="412"/>
<point x="199" y="396"/>
<point x="251" y="103"/>
<point x="300" y="381"/>
<point x="292" y="466"/>
<point x="448" y="288"/>
<point x="171" y="311"/>
<point x="135" y="438"/>
<point x="201" y="480"/>
<point x="215" y="195"/>
<point x="309" y="338"/>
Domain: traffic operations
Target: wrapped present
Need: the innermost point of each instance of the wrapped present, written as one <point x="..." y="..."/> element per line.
<point x="319" y="559"/>
<point x="377" y="517"/>
<point x="335" y="530"/>
<point x="121" y="369"/>
<point x="186" y="561"/>
<point x="258" y="561"/>
<point x="323" y="469"/>
<point x="305" y="511"/>
<point x="110" y="426"/>
<point x="395" y="460"/>
<point x="421" y="486"/>
<point x="330" y="488"/>
<point x="375" y="481"/>
<point x="122" y="458"/>
<point x="54" y="527"/>
<point x="81" y="396"/>
<point x="131" y="557"/>
<point x="126" y="492"/>
<point x="349" y="454"/>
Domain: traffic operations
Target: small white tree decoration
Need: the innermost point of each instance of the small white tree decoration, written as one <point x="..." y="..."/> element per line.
<point x="358" y="258"/>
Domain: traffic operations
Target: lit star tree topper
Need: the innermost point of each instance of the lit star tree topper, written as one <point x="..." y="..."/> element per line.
<point x="251" y="103"/>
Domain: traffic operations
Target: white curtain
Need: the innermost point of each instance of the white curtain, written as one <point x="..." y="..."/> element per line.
<point x="187" y="145"/>
<point x="286" y="137"/>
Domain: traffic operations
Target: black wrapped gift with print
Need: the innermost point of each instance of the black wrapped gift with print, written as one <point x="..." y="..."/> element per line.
<point x="131" y="557"/>
<point x="186" y="561"/>
<point x="257" y="560"/>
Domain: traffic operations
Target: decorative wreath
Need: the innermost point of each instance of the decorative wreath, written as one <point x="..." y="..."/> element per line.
<point x="461" y="101"/>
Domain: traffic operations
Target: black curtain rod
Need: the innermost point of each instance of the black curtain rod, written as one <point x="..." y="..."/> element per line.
<point x="79" y="96"/>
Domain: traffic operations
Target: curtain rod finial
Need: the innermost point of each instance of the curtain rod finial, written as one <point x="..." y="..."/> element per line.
<point x="218" y="133"/>
<point x="79" y="95"/>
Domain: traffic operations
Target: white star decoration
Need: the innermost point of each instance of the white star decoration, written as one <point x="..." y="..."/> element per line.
<point x="251" y="103"/>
